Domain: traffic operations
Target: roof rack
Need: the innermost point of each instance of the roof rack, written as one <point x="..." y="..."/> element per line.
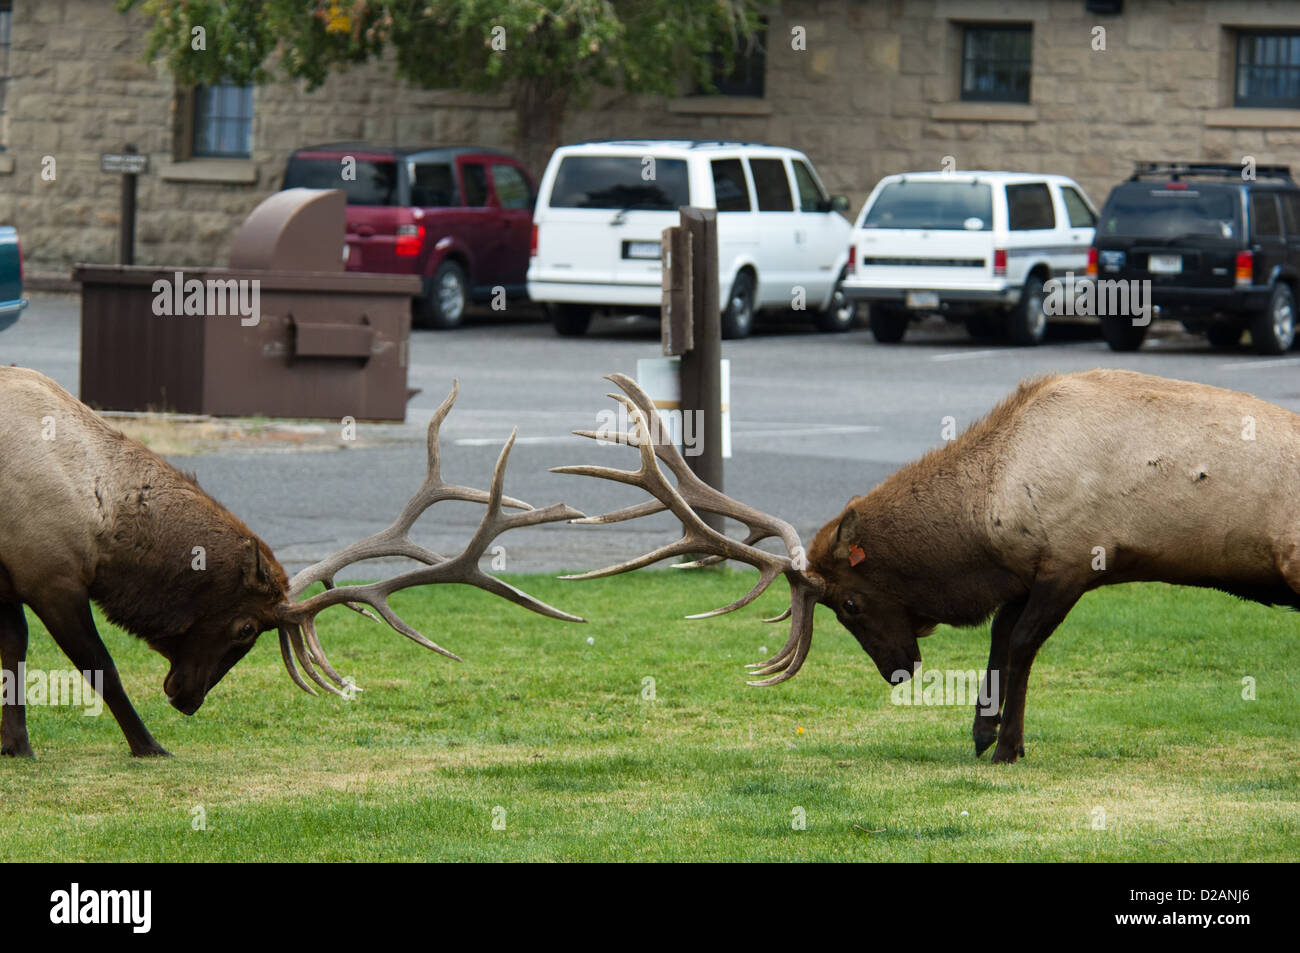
<point x="692" y="143"/>
<point x="1223" y="170"/>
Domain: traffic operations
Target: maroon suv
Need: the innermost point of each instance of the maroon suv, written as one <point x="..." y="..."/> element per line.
<point x="461" y="218"/>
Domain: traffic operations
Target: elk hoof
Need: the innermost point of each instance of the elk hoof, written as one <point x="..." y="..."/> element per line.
<point x="153" y="751"/>
<point x="17" y="749"/>
<point x="1007" y="754"/>
<point x="985" y="732"/>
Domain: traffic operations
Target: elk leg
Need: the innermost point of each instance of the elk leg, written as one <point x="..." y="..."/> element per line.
<point x="985" y="729"/>
<point x="1050" y="601"/>
<point x="13" y="652"/>
<point x="73" y="628"/>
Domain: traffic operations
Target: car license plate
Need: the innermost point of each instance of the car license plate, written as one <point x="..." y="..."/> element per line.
<point x="1165" y="264"/>
<point x="646" y="250"/>
<point x="922" y="299"/>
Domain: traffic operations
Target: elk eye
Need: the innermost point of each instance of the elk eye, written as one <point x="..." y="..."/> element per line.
<point x="851" y="607"/>
<point x="247" y="630"/>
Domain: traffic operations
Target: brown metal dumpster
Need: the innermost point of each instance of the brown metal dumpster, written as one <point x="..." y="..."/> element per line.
<point x="283" y="332"/>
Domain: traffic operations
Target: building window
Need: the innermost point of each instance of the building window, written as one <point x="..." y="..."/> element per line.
<point x="995" y="63"/>
<point x="6" y="16"/>
<point x="223" y="121"/>
<point x="748" y="66"/>
<point x="1268" y="70"/>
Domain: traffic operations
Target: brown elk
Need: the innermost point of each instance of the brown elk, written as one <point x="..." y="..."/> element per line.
<point x="88" y="514"/>
<point x="1073" y="482"/>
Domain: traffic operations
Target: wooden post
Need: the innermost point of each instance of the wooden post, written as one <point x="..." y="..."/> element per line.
<point x="126" y="238"/>
<point x="676" y="328"/>
<point x="701" y="368"/>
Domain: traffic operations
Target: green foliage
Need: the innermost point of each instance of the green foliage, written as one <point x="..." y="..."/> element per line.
<point x="1135" y="707"/>
<point x="643" y="45"/>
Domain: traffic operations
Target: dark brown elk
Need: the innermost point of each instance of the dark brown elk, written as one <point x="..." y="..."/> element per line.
<point x="1073" y="482"/>
<point x="87" y="514"/>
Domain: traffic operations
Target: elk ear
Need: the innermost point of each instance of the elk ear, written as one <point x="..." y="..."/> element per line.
<point x="255" y="574"/>
<point x="848" y="538"/>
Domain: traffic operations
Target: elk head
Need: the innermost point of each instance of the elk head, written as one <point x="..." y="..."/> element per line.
<point x="267" y="600"/>
<point x="210" y="645"/>
<point x="828" y="574"/>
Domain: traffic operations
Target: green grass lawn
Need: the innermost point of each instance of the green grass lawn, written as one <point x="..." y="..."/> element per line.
<point x="1135" y="709"/>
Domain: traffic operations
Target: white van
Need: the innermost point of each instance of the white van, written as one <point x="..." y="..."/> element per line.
<point x="602" y="208"/>
<point x="972" y="246"/>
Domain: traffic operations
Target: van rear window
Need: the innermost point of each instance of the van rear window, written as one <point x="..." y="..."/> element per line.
<point x="1141" y="211"/>
<point x="621" y="182"/>
<point x="938" y="205"/>
<point x="375" y="183"/>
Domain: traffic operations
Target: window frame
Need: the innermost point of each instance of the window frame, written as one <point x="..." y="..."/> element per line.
<point x="1011" y="226"/>
<point x="198" y="124"/>
<point x="751" y="200"/>
<point x="766" y="162"/>
<point x="970" y="94"/>
<point x="747" y="78"/>
<point x="1256" y="101"/>
<point x="6" y="43"/>
<point x="1083" y="204"/>
<point x="528" y="188"/>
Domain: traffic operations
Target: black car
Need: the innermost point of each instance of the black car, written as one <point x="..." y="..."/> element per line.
<point x="1219" y="244"/>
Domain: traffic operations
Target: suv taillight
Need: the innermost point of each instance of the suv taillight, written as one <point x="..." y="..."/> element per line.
<point x="532" y="243"/>
<point x="999" y="262"/>
<point x="410" y="240"/>
<point x="852" y="267"/>
<point x="1245" y="269"/>
<point x="1092" y="262"/>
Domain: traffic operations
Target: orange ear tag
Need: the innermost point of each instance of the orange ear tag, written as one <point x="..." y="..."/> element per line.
<point x="856" y="555"/>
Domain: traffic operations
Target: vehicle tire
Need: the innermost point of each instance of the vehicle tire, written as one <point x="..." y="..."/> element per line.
<point x="445" y="299"/>
<point x="1272" y="331"/>
<point x="1027" y="321"/>
<point x="985" y="325"/>
<point x="888" y="323"/>
<point x="1121" y="334"/>
<point x="571" y="320"/>
<point x="1224" y="337"/>
<point x="738" y="318"/>
<point x="841" y="314"/>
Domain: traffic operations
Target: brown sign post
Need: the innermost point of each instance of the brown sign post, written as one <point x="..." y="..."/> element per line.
<point x="128" y="164"/>
<point x="692" y="329"/>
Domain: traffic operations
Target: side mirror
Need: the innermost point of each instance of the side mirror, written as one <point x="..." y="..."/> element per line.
<point x="839" y="203"/>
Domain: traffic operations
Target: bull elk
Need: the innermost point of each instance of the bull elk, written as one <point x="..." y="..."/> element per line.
<point x="88" y="514"/>
<point x="1170" y="481"/>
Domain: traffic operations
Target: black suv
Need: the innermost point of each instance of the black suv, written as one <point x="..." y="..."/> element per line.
<point x="1222" y="252"/>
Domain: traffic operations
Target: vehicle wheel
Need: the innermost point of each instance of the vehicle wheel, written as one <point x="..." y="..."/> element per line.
<point x="984" y="325"/>
<point x="1272" y="331"/>
<point x="1121" y="334"/>
<point x="571" y="320"/>
<point x="445" y="298"/>
<point x="1027" y="321"/>
<point x="841" y="314"/>
<point x="888" y="323"/>
<point x="1223" y="336"/>
<point x="738" y="318"/>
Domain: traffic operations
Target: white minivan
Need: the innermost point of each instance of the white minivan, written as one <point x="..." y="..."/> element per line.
<point x="972" y="246"/>
<point x="602" y="208"/>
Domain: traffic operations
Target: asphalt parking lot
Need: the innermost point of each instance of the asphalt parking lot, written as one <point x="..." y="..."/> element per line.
<point x="816" y="419"/>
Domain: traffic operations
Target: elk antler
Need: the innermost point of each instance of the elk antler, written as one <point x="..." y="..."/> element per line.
<point x="298" y="619"/>
<point x="690" y="497"/>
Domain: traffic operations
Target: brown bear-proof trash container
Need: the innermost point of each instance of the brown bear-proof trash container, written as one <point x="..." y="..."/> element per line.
<point x="283" y="332"/>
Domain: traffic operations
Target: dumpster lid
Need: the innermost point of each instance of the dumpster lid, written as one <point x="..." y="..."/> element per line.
<point x="293" y="230"/>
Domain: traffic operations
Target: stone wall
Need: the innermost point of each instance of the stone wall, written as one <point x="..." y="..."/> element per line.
<point x="874" y="92"/>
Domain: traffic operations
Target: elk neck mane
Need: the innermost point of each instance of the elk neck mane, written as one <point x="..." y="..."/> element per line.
<point x="162" y="534"/>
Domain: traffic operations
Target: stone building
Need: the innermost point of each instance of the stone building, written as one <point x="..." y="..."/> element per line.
<point x="865" y="87"/>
